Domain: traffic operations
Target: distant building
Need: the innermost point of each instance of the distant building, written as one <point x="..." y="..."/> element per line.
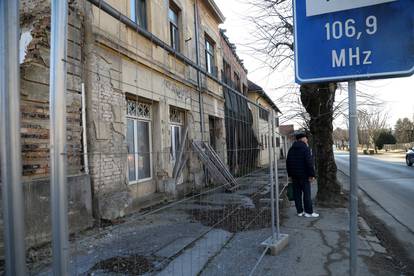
<point x="261" y="121"/>
<point x="287" y="133"/>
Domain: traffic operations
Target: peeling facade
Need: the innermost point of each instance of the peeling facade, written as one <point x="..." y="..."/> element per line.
<point x="145" y="104"/>
<point x="242" y="143"/>
<point x="141" y="99"/>
<point x="34" y="97"/>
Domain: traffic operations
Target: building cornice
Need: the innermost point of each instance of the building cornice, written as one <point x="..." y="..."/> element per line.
<point x="217" y="13"/>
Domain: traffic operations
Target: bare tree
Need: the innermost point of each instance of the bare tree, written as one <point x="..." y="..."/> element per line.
<point x="371" y="122"/>
<point x="341" y="138"/>
<point x="404" y="130"/>
<point x="273" y="44"/>
<point x="313" y="106"/>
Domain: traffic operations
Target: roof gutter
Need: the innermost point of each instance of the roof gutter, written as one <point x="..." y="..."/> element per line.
<point x="104" y="6"/>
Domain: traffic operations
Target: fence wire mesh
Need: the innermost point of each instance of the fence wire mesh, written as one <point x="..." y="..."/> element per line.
<point x="174" y="172"/>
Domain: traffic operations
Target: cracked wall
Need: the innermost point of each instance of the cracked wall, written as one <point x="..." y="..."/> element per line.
<point x="35" y="52"/>
<point x="122" y="64"/>
<point x="35" y="122"/>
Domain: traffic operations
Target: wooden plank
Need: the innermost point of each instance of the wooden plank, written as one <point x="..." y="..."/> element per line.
<point x="180" y="170"/>
<point x="221" y="166"/>
<point x="215" y="165"/>
<point x="217" y="160"/>
<point x="216" y="174"/>
<point x="181" y="148"/>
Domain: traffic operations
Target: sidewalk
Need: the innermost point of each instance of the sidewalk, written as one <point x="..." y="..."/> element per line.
<point x="220" y="234"/>
<point x="316" y="247"/>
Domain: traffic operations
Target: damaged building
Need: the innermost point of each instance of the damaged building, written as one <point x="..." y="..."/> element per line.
<point x="145" y="81"/>
<point x="247" y="115"/>
<point x="145" y="100"/>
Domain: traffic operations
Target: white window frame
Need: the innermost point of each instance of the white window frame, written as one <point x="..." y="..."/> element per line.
<point x="137" y="119"/>
<point x="136" y="15"/>
<point x="173" y="148"/>
<point x="176" y="121"/>
<point x="210" y="56"/>
<point x="174" y="21"/>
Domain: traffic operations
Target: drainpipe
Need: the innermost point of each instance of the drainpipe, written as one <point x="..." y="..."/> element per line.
<point x="197" y="47"/>
<point x="258" y="117"/>
<point x="85" y="142"/>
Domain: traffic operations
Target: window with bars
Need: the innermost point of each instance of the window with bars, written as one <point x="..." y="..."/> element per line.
<point x="139" y="141"/>
<point x="138" y="12"/>
<point x="173" y="16"/>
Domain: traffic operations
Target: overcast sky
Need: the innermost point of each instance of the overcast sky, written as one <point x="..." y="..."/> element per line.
<point x="398" y="93"/>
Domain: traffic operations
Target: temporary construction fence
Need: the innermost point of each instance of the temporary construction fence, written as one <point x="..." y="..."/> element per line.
<point x="173" y="164"/>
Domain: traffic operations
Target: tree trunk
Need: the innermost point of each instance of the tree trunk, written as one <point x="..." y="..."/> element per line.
<point x="318" y="100"/>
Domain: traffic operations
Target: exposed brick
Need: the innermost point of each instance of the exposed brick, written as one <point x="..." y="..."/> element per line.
<point x="35" y="119"/>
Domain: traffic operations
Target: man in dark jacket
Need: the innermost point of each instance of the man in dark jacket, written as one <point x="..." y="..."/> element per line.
<point x="300" y="169"/>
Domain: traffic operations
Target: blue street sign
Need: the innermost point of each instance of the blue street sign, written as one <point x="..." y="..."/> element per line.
<point x="339" y="40"/>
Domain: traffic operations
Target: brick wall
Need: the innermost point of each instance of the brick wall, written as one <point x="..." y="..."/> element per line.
<point x="35" y="23"/>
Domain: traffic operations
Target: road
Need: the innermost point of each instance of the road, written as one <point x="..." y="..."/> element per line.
<point x="389" y="182"/>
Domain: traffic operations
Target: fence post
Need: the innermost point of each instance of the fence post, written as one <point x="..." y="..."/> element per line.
<point x="10" y="147"/>
<point x="58" y="150"/>
<point x="272" y="186"/>
<point x="277" y="241"/>
<point x="276" y="177"/>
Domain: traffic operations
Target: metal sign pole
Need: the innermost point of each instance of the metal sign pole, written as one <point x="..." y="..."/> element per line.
<point x="10" y="147"/>
<point x="58" y="155"/>
<point x="353" y="208"/>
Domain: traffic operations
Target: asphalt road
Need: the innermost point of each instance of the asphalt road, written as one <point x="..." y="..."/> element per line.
<point x="389" y="182"/>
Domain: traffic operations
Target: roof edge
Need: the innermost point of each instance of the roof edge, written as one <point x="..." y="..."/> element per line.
<point x="232" y="48"/>
<point x="216" y="10"/>
<point x="254" y="88"/>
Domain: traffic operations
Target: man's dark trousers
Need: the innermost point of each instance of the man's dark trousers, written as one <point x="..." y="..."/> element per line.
<point x="301" y="187"/>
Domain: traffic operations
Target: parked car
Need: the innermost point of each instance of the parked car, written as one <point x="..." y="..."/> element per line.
<point x="409" y="157"/>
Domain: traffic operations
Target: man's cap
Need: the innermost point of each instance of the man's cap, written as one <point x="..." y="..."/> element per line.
<point x="300" y="135"/>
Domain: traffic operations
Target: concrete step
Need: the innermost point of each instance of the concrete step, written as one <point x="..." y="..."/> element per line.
<point x="192" y="259"/>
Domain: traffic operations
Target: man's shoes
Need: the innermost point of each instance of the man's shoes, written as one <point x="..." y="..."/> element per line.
<point x="313" y="215"/>
<point x="301" y="214"/>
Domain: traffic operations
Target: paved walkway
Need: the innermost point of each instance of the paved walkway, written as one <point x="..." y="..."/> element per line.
<point x="316" y="247"/>
<point x="220" y="234"/>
